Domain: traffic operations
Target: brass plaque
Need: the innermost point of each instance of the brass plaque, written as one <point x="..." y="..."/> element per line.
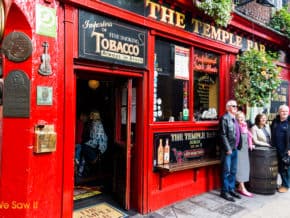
<point x="17" y="46"/>
<point x="45" y="139"/>
<point x="16" y="100"/>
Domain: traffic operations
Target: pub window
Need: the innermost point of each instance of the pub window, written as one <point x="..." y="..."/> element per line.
<point x="171" y="76"/>
<point x="206" y="85"/>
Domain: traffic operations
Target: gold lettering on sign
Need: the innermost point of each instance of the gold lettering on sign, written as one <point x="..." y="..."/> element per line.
<point x="166" y="15"/>
<point x="153" y="7"/>
<point x="239" y="41"/>
<point x="180" y="17"/>
<point x="206" y="30"/>
<point x="175" y="18"/>
<point x="216" y="33"/>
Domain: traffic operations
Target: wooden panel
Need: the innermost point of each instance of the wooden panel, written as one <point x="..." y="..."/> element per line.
<point x="174" y="167"/>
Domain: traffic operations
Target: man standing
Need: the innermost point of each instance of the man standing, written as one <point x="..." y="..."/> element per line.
<point x="230" y="136"/>
<point x="280" y="129"/>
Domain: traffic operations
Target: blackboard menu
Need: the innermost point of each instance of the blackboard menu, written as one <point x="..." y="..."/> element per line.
<point x="186" y="146"/>
<point x="281" y="97"/>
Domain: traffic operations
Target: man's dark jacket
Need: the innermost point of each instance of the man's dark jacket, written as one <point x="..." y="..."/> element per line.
<point x="227" y="132"/>
<point x="274" y="124"/>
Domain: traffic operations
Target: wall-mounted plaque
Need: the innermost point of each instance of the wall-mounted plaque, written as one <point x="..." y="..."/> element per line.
<point x="16" y="100"/>
<point x="44" y="95"/>
<point x="17" y="46"/>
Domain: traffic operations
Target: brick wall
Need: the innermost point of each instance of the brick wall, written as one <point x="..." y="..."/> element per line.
<point x="256" y="11"/>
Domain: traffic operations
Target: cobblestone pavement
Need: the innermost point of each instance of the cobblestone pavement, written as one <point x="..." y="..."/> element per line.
<point x="210" y="205"/>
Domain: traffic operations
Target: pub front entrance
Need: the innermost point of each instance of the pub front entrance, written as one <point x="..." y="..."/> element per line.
<point x="106" y="135"/>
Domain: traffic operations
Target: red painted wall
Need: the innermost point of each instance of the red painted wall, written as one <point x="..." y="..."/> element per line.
<point x="31" y="184"/>
<point x="45" y="181"/>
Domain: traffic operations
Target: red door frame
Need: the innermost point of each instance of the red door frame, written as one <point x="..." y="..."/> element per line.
<point x="70" y="106"/>
<point x="128" y="146"/>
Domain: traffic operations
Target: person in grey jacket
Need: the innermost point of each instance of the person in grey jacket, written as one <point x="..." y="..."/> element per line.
<point x="229" y="133"/>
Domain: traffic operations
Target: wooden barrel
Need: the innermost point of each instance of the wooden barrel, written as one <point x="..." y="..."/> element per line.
<point x="263" y="170"/>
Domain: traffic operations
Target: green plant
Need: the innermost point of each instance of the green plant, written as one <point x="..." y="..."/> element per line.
<point x="219" y="10"/>
<point x="256" y="77"/>
<point x="280" y="21"/>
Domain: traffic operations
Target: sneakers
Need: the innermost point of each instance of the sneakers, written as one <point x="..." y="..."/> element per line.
<point x="282" y="189"/>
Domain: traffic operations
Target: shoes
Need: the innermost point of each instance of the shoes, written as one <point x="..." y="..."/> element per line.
<point x="226" y="196"/>
<point x="245" y="193"/>
<point x="235" y="194"/>
<point x="282" y="189"/>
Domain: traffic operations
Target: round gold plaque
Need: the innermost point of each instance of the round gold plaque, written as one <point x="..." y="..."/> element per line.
<point x="2" y="18"/>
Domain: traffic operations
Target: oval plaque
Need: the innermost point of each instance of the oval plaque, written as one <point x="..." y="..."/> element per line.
<point x="17" y="46"/>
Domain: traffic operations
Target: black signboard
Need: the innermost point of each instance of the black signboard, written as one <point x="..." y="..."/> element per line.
<point x="136" y="6"/>
<point x="16" y="100"/>
<point x="186" y="146"/>
<point x="281" y="97"/>
<point x="109" y="40"/>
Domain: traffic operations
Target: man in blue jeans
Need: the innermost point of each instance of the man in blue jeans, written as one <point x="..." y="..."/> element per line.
<point x="280" y="129"/>
<point x="230" y="136"/>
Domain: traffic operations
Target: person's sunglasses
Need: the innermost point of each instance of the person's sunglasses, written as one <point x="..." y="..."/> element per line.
<point x="234" y="105"/>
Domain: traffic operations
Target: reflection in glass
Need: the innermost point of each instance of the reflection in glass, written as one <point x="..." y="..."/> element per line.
<point x="170" y="91"/>
<point x="206" y="85"/>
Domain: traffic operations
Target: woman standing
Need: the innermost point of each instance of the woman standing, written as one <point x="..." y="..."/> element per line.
<point x="261" y="131"/>
<point x="243" y="167"/>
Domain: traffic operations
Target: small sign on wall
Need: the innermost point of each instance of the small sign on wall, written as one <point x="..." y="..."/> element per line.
<point x="44" y="95"/>
<point x="46" y="21"/>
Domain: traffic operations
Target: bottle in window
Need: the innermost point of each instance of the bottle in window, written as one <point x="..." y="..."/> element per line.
<point x="166" y="152"/>
<point x="185" y="113"/>
<point x="160" y="153"/>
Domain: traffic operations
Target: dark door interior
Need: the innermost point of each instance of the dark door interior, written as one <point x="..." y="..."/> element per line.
<point x="110" y="172"/>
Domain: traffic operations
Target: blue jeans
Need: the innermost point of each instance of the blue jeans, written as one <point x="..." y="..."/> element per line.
<point x="229" y="170"/>
<point x="78" y="150"/>
<point x="284" y="172"/>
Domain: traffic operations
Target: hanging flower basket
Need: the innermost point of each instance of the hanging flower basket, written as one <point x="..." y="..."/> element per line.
<point x="219" y="10"/>
<point x="256" y="77"/>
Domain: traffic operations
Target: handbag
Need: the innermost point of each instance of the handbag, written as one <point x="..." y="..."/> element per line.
<point x="286" y="159"/>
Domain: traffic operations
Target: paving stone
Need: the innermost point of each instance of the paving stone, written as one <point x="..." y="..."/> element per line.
<point x="211" y="205"/>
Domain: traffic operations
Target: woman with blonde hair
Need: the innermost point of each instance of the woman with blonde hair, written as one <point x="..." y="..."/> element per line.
<point x="243" y="167"/>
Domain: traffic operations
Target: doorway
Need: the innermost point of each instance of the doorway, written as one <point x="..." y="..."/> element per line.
<point x="103" y="165"/>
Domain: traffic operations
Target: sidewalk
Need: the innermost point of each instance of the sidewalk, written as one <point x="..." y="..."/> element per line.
<point x="211" y="205"/>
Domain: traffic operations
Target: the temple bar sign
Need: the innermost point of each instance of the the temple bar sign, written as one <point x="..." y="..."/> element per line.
<point x="109" y="40"/>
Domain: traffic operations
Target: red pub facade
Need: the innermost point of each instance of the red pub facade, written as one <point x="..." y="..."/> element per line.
<point x="161" y="71"/>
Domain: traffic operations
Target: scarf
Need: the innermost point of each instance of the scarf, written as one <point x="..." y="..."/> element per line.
<point x="244" y="129"/>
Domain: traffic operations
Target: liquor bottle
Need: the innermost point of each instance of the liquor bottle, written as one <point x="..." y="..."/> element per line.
<point x="160" y="153"/>
<point x="185" y="113"/>
<point x="166" y="152"/>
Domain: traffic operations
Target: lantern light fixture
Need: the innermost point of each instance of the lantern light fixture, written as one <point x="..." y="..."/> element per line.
<point x="93" y="84"/>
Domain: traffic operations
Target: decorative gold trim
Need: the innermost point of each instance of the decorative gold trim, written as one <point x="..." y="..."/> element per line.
<point x="2" y="18"/>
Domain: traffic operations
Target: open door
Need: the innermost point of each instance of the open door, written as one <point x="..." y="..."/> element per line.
<point x="122" y="156"/>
